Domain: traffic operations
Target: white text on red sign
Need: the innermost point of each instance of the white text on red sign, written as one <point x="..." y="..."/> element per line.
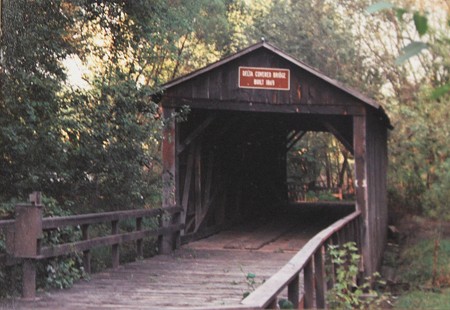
<point x="264" y="78"/>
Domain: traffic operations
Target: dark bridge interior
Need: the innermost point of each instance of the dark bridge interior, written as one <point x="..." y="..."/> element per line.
<point x="236" y="169"/>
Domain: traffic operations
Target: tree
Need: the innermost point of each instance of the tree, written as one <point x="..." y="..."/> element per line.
<point x="33" y="44"/>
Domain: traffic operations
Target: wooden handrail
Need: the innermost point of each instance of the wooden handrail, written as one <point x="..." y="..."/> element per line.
<point x="93" y="218"/>
<point x="24" y="234"/>
<point x="266" y="295"/>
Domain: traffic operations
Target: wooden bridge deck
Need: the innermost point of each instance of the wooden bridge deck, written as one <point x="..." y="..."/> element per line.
<point x="206" y="273"/>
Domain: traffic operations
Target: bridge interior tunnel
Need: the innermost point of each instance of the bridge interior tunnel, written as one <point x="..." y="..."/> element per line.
<point x="232" y="164"/>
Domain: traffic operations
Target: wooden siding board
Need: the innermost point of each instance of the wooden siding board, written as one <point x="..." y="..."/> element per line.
<point x="250" y="106"/>
<point x="376" y="170"/>
<point x="305" y="88"/>
<point x="360" y="154"/>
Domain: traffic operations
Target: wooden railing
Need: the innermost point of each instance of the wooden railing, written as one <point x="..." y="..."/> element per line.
<point x="24" y="236"/>
<point x="310" y="261"/>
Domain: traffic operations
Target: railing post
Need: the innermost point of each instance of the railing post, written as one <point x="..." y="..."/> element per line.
<point x="139" y="242"/>
<point x="309" y="285"/>
<point x="115" y="247"/>
<point x="332" y="274"/>
<point x="294" y="291"/>
<point x="27" y="232"/>
<point x="86" y="253"/>
<point x="319" y="273"/>
<point x="166" y="239"/>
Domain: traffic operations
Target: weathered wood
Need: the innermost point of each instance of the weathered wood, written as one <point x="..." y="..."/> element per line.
<point x="195" y="133"/>
<point x="308" y="301"/>
<point x="359" y="142"/>
<point x="169" y="172"/>
<point x="189" y="174"/>
<point x="297" y="136"/>
<point x="319" y="278"/>
<point x="294" y="291"/>
<point x="139" y="242"/>
<point x="27" y="230"/>
<point x="86" y="253"/>
<point x="29" y="279"/>
<point x="58" y="250"/>
<point x="199" y="211"/>
<point x="272" y="287"/>
<point x="94" y="218"/>
<point x="227" y="105"/>
<point x="115" y="255"/>
<point x="347" y="144"/>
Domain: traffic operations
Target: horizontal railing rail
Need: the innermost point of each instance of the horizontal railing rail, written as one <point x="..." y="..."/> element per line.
<point x="310" y="261"/>
<point x="25" y="234"/>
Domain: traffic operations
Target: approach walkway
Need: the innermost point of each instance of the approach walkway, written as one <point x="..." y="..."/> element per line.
<point x="207" y="273"/>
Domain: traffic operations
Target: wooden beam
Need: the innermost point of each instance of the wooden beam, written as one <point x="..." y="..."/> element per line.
<point x="359" y="145"/>
<point x="168" y="173"/>
<point x="294" y="139"/>
<point x="196" y="133"/>
<point x="348" y="144"/>
<point x="187" y="184"/>
<point x="198" y="185"/>
<point x="325" y="109"/>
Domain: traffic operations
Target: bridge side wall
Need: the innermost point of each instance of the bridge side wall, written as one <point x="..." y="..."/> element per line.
<point x="370" y="146"/>
<point x="376" y="167"/>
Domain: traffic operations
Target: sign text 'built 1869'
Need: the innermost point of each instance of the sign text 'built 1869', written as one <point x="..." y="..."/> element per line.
<point x="264" y="78"/>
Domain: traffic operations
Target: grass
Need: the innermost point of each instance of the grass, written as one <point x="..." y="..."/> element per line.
<point x="417" y="264"/>
<point x="424" y="300"/>
<point x="416" y="267"/>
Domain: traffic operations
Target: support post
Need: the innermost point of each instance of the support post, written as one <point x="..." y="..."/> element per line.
<point x="115" y="247"/>
<point x="359" y="146"/>
<point x="309" y="285"/>
<point x="29" y="279"/>
<point x="27" y="232"/>
<point x="294" y="291"/>
<point x="139" y="242"/>
<point x="87" y="253"/>
<point x="319" y="274"/>
<point x="168" y="242"/>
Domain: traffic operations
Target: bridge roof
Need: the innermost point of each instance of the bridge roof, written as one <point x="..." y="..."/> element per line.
<point x="294" y="63"/>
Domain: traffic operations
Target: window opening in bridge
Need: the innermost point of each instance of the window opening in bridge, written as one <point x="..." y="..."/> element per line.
<point x="319" y="168"/>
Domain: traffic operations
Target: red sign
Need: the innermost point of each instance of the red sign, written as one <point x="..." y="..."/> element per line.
<point x="264" y="78"/>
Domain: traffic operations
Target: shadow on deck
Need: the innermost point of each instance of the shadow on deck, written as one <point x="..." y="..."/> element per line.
<point x="207" y="273"/>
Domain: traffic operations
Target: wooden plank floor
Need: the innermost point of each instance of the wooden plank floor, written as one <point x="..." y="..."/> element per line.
<point x="209" y="272"/>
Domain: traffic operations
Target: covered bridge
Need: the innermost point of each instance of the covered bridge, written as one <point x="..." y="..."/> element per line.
<point x="226" y="161"/>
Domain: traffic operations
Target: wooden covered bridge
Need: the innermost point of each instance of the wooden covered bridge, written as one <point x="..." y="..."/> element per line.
<point x="226" y="213"/>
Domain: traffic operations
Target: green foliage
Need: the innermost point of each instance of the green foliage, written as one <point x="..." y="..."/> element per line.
<point x="417" y="264"/>
<point x="251" y="282"/>
<point x="30" y="77"/>
<point x="62" y="272"/>
<point x="285" y="304"/>
<point x="318" y="162"/>
<point x="346" y="293"/>
<point x="412" y="49"/>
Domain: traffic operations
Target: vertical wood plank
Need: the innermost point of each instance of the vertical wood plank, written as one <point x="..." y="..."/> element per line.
<point x="331" y="279"/>
<point x="139" y="242"/>
<point x="168" y="175"/>
<point x="319" y="274"/>
<point x="87" y="253"/>
<point x="359" y="146"/>
<point x="198" y="186"/>
<point x="29" y="279"/>
<point x="187" y="183"/>
<point x="115" y="247"/>
<point x="309" y="285"/>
